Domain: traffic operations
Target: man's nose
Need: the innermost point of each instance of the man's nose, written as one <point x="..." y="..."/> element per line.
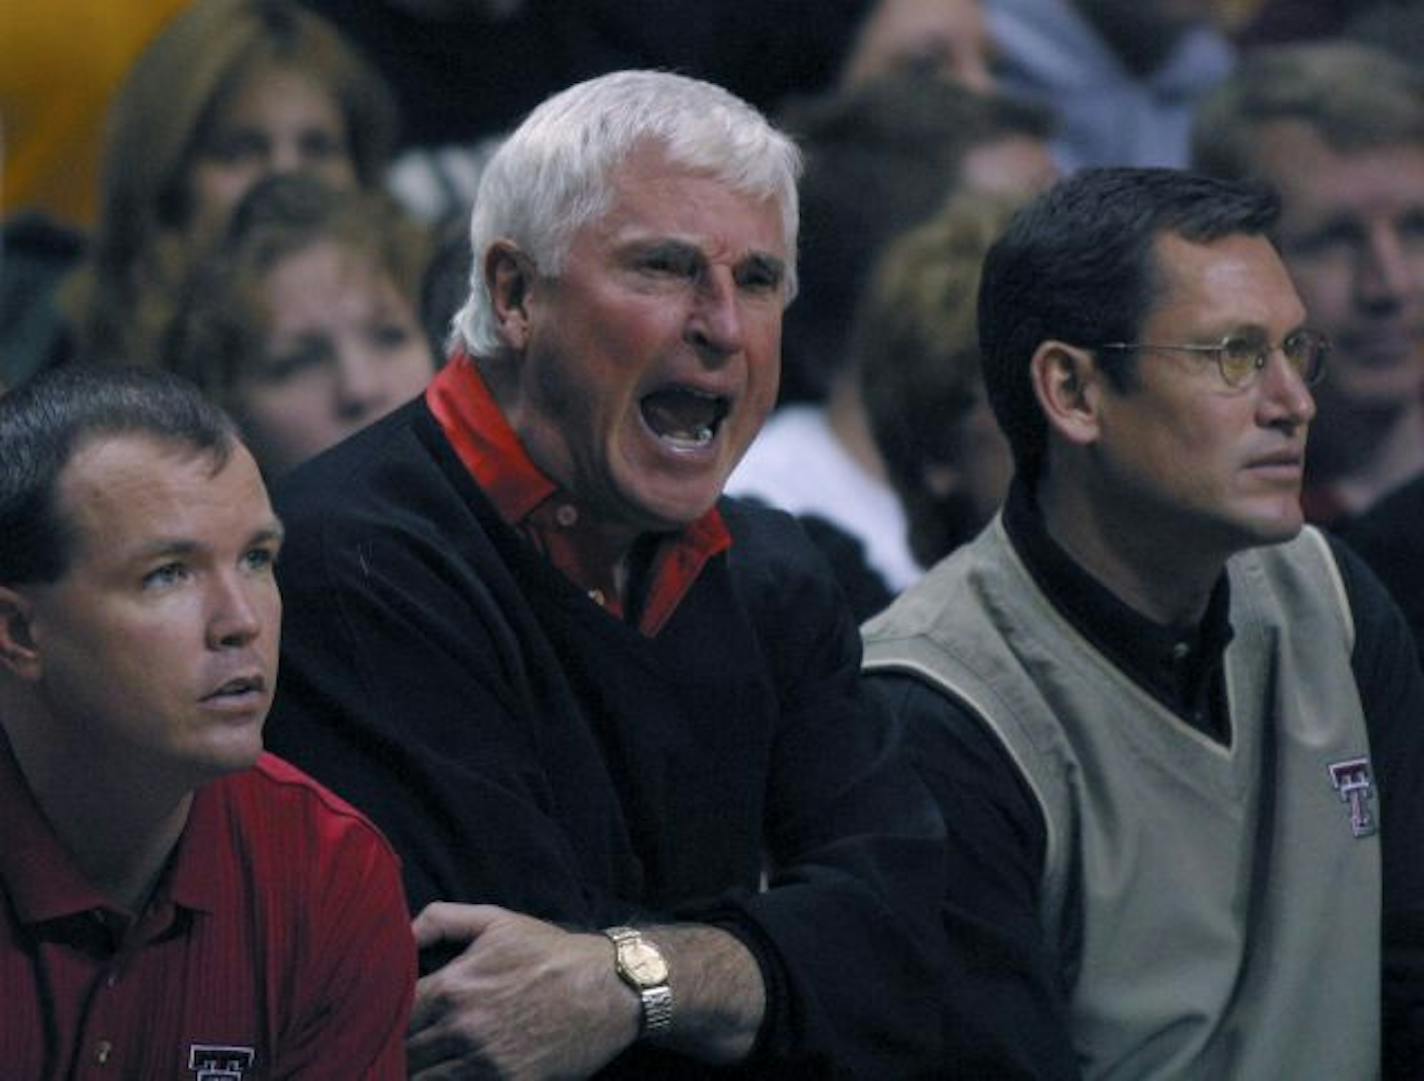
<point x="1384" y="275"/>
<point x="716" y="321"/>
<point x="235" y="618"/>
<point x="1285" y="398"/>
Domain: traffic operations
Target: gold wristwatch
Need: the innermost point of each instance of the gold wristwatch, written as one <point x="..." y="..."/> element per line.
<point x="641" y="966"/>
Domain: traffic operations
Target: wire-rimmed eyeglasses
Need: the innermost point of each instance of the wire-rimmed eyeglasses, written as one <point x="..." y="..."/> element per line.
<point x="1242" y="359"/>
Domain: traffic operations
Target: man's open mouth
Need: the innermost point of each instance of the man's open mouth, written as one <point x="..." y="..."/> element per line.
<point x="685" y="418"/>
<point x="234" y="688"/>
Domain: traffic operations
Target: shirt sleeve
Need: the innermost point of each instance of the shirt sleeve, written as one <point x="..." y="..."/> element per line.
<point x="1005" y="1012"/>
<point x="359" y="980"/>
<point x="1386" y="667"/>
<point x="846" y="929"/>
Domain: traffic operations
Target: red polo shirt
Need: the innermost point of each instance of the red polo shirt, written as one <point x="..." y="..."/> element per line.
<point x="277" y="944"/>
<point x="551" y="519"/>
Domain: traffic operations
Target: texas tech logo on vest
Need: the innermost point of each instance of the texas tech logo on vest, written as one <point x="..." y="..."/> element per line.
<point x="215" y="1063"/>
<point x="1352" y="780"/>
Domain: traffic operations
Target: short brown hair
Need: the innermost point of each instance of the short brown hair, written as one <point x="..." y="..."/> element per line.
<point x="218" y="331"/>
<point x="1353" y="96"/>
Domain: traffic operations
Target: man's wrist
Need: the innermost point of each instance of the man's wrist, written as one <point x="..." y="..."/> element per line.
<point x="640" y="964"/>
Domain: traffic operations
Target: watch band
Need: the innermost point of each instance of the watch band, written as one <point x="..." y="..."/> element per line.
<point x="640" y="964"/>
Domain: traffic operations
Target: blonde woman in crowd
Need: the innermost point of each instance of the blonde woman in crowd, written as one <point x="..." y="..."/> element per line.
<point x="231" y="91"/>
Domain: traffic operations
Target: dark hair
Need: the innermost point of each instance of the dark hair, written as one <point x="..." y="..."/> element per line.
<point x="1076" y="265"/>
<point x="880" y="159"/>
<point x="47" y="419"/>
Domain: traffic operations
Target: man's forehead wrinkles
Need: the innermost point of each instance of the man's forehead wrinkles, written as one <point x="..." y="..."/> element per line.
<point x="702" y="247"/>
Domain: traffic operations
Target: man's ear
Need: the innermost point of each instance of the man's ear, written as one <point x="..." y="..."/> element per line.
<point x="18" y="651"/>
<point x="510" y="277"/>
<point x="1068" y="384"/>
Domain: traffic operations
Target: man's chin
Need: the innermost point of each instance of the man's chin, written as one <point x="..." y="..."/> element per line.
<point x="1276" y="528"/>
<point x="669" y="508"/>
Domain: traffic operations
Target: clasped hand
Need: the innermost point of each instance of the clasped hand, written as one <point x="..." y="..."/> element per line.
<point x="525" y="999"/>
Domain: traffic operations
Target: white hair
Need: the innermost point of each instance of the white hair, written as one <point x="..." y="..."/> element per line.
<point x="553" y="175"/>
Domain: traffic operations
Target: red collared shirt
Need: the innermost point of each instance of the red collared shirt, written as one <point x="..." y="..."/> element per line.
<point x="277" y="942"/>
<point x="551" y="519"/>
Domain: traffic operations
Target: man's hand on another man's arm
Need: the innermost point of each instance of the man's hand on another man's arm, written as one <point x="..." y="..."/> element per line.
<point x="527" y="999"/>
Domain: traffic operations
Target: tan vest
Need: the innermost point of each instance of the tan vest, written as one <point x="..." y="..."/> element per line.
<point x="1215" y="911"/>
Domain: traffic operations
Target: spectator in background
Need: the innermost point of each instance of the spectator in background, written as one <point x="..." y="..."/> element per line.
<point x="880" y="159"/>
<point x="304" y="321"/>
<point x="1123" y="75"/>
<point x="916" y="350"/>
<point x="1338" y="130"/>
<point x="231" y="91"/>
<point x="948" y="39"/>
<point x="467" y="70"/>
<point x="172" y="900"/>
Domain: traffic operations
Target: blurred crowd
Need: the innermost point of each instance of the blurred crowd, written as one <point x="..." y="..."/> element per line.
<point x="285" y="220"/>
<point x="139" y="226"/>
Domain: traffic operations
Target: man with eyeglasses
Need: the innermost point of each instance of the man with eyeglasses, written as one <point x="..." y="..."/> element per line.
<point x="1173" y="732"/>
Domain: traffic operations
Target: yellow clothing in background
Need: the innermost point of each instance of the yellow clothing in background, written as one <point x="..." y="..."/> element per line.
<point x="60" y="63"/>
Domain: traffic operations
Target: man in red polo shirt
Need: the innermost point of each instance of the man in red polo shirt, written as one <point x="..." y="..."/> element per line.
<point x="173" y="902"/>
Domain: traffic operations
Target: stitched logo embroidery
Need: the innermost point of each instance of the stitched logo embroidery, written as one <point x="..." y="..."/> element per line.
<point x="216" y="1063"/>
<point x="1352" y="780"/>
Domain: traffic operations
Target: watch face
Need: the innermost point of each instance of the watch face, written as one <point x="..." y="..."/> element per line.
<point x="643" y="963"/>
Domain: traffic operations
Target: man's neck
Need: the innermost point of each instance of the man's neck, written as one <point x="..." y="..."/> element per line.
<point x="1141" y="567"/>
<point x="120" y="831"/>
<point x="1359" y="456"/>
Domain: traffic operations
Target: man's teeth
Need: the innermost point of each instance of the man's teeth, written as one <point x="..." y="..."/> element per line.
<point x="698" y="437"/>
<point x="683" y="417"/>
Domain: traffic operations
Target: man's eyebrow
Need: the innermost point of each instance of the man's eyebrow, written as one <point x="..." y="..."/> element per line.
<point x="165" y="546"/>
<point x="1255" y="332"/>
<point x="663" y="245"/>
<point x="761" y="260"/>
<point x="186" y="546"/>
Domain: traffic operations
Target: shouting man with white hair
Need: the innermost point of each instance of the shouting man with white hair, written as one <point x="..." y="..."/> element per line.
<point x="611" y="720"/>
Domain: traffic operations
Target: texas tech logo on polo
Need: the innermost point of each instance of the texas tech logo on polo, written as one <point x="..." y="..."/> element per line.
<point x="1352" y="780"/>
<point x="212" y="1062"/>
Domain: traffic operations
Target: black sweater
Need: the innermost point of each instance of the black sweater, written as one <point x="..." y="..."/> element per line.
<point x="522" y="747"/>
